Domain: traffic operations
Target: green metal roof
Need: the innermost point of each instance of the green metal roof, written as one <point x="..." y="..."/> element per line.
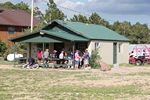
<point x="63" y="34"/>
<point x="41" y="39"/>
<point x="77" y="32"/>
<point x="93" y="31"/>
<point x="38" y="38"/>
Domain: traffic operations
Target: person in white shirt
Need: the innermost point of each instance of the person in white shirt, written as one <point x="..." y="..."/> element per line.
<point x="133" y="54"/>
<point x="61" y="57"/>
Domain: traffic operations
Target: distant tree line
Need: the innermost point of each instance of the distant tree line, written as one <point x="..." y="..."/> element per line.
<point x="137" y="33"/>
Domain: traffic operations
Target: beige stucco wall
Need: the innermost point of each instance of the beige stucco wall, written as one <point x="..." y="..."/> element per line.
<point x="105" y="49"/>
<point x="123" y="55"/>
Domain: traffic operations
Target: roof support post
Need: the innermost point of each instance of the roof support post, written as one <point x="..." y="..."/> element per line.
<point x="73" y="49"/>
<point x="43" y="46"/>
<point x="29" y="49"/>
<point x="14" y="50"/>
<point x="43" y="51"/>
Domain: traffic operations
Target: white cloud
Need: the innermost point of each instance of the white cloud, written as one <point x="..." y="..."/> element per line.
<point x="2" y="1"/>
<point x="140" y="7"/>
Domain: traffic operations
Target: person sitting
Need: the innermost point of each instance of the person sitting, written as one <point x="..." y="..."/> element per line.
<point x="133" y="54"/>
<point x="61" y="57"/>
<point x="31" y="63"/>
<point x="54" y="54"/>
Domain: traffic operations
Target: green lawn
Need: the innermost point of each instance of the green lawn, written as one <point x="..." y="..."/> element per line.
<point x="57" y="84"/>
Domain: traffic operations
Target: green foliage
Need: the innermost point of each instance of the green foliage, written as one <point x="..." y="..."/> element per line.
<point x="123" y="28"/>
<point x="140" y="33"/>
<point x="96" y="19"/>
<point x="93" y="19"/>
<point x="35" y="28"/>
<point x="53" y="12"/>
<point x="94" y="60"/>
<point x="7" y="5"/>
<point x="3" y="47"/>
<point x="38" y="13"/>
<point x="21" y="5"/>
<point x="137" y="33"/>
<point x="18" y="47"/>
<point x="79" y="18"/>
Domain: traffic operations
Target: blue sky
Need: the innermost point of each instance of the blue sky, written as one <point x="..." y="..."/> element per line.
<point x="111" y="10"/>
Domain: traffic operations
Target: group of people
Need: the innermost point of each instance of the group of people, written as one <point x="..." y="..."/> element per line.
<point x="137" y="54"/>
<point x="82" y="59"/>
<point x="76" y="59"/>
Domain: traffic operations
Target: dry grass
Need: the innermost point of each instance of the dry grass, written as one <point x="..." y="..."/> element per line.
<point x="59" y="84"/>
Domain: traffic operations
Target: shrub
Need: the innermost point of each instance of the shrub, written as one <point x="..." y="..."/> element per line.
<point x="18" y="47"/>
<point x="94" y="61"/>
<point x="3" y="48"/>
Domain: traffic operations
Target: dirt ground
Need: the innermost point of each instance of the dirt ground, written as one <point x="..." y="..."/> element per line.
<point x="114" y="77"/>
<point x="138" y="76"/>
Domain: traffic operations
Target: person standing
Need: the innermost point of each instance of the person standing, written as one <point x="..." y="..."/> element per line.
<point x="77" y="59"/>
<point x="39" y="55"/>
<point x="61" y="57"/>
<point x="86" y="58"/>
<point x="46" y="55"/>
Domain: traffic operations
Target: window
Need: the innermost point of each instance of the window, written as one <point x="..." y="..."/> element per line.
<point x="119" y="47"/>
<point x="97" y="45"/>
<point x="11" y="30"/>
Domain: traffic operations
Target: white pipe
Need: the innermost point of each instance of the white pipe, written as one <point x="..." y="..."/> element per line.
<point x="32" y="8"/>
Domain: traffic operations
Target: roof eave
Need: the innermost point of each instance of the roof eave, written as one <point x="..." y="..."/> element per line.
<point x="13" y="39"/>
<point x="111" y="40"/>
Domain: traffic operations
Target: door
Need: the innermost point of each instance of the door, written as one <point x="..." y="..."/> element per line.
<point x="114" y="53"/>
<point x="58" y="47"/>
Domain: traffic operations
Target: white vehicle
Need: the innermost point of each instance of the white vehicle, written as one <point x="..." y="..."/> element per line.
<point x="12" y="57"/>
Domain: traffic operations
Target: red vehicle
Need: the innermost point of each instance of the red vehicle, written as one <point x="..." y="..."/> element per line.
<point x="141" y="60"/>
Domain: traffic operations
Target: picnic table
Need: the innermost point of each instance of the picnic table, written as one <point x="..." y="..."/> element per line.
<point x="56" y="63"/>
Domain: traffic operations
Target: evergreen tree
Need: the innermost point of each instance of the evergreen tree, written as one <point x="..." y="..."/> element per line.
<point x="140" y="33"/>
<point x="96" y="19"/>
<point x="23" y="6"/>
<point x="123" y="28"/>
<point x="53" y="12"/>
<point x="79" y="18"/>
<point x="7" y="5"/>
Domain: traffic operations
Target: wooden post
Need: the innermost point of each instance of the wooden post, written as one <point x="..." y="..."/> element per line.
<point x="14" y="47"/>
<point x="43" y="47"/>
<point x="73" y="54"/>
<point x="29" y="50"/>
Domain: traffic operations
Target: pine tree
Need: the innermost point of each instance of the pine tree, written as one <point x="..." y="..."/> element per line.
<point x="53" y="12"/>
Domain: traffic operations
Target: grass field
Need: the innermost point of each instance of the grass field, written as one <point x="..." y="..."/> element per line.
<point x="61" y="84"/>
